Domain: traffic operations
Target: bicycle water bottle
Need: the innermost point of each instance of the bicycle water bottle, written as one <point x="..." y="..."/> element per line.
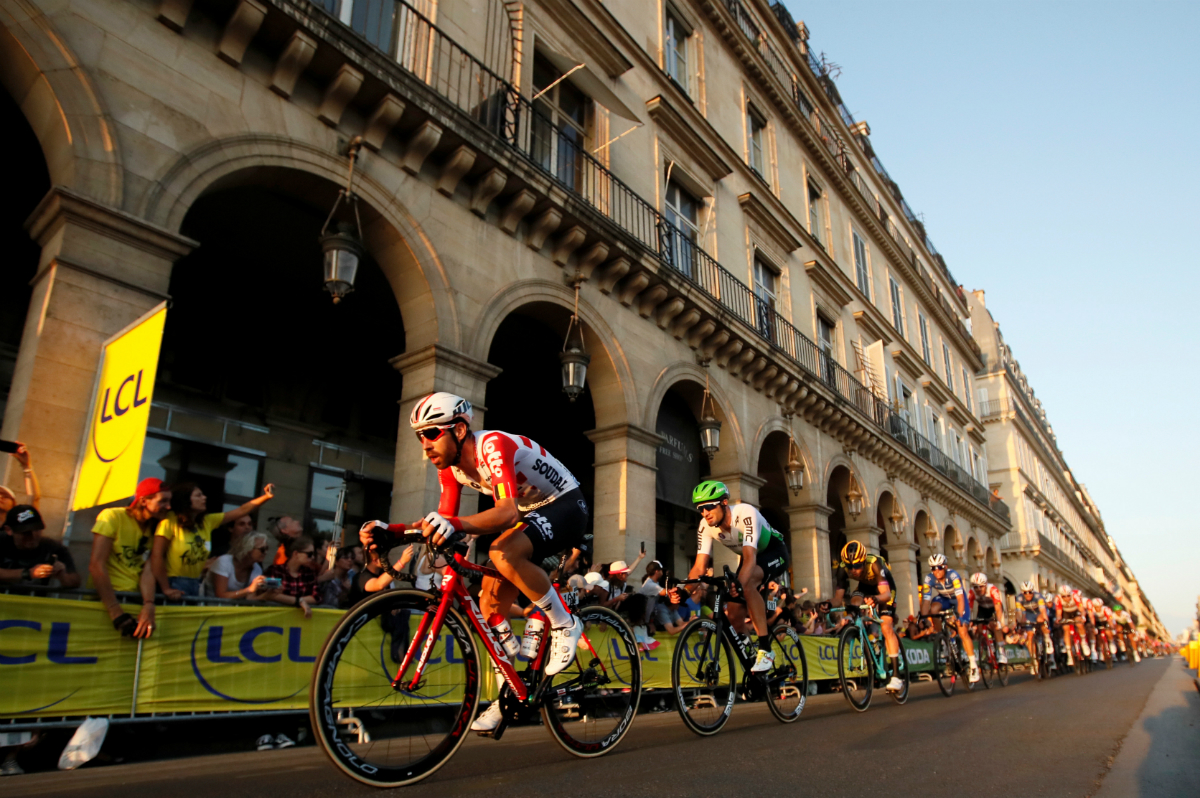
<point x="504" y="635"/>
<point x="535" y="627"/>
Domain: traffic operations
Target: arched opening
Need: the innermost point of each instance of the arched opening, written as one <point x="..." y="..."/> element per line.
<point x="835" y="492"/>
<point x="527" y="398"/>
<point x="774" y="496"/>
<point x="681" y="464"/>
<point x="27" y="180"/>
<point x="262" y="379"/>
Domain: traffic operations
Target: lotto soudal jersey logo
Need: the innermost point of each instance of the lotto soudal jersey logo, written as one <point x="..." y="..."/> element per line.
<point x="551" y="474"/>
<point x="493" y="459"/>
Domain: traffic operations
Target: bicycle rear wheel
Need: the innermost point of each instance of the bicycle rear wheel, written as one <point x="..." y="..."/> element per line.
<point x="385" y="736"/>
<point x="901" y="695"/>
<point x="590" y="706"/>
<point x="703" y="677"/>
<point x="787" y="682"/>
<point x="944" y="665"/>
<point x="854" y="668"/>
<point x="985" y="656"/>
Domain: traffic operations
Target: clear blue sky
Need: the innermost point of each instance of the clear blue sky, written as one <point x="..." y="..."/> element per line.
<point x="1053" y="149"/>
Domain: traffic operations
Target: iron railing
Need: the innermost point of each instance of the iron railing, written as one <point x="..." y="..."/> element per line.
<point x="423" y="50"/>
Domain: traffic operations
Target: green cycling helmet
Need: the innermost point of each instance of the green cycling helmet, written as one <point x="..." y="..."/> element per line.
<point x="709" y="490"/>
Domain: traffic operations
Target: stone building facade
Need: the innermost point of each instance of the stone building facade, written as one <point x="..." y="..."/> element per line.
<point x="1058" y="536"/>
<point x="687" y="163"/>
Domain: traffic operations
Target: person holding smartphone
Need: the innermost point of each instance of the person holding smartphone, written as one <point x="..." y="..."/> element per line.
<point x="8" y="497"/>
<point x="29" y="559"/>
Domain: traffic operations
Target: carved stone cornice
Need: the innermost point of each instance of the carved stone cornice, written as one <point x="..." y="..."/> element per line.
<point x="778" y="230"/>
<point x="821" y="276"/>
<point x="596" y="46"/>
<point x="684" y="135"/>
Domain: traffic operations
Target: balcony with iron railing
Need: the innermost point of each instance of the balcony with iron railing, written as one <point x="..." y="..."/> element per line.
<point x="500" y="110"/>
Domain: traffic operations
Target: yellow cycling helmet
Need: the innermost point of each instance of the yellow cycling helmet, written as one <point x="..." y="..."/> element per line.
<point x="854" y="553"/>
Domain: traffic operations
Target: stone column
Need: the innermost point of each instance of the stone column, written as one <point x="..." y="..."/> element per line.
<point x="812" y="565"/>
<point x="864" y="532"/>
<point x="743" y="487"/>
<point x="433" y="368"/>
<point x="623" y="511"/>
<point x="100" y="270"/>
<point x="902" y="557"/>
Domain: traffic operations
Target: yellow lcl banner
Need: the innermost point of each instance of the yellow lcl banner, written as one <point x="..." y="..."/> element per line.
<point x="116" y="434"/>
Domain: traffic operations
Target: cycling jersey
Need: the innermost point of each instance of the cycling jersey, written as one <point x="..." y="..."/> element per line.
<point x="874" y="573"/>
<point x="1104" y="616"/>
<point x="1123" y="618"/>
<point x="1072" y="605"/>
<point x="945" y="591"/>
<point x="985" y="605"/>
<point x="510" y="467"/>
<point x="1032" y="606"/>
<point x="747" y="527"/>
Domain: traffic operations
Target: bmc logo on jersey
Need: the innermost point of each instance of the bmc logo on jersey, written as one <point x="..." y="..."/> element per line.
<point x="493" y="458"/>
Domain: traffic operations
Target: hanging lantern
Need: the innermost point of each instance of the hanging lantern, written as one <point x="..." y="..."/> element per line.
<point x="794" y="470"/>
<point x="710" y="428"/>
<point x="574" y="357"/>
<point x="854" y="503"/>
<point x="343" y="248"/>
<point x="897" y="517"/>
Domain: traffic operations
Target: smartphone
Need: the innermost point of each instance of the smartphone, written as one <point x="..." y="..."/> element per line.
<point x="8" y="446"/>
<point x="273" y="583"/>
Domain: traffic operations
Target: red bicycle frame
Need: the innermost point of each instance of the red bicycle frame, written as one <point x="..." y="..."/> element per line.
<point x="454" y="587"/>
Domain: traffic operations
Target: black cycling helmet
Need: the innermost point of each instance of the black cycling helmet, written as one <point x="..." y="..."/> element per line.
<point x="854" y="553"/>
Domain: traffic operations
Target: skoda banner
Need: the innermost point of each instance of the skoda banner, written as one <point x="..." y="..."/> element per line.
<point x="116" y="431"/>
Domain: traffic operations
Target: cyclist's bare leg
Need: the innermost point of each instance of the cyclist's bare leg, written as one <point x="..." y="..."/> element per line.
<point x="736" y="614"/>
<point x="964" y="634"/>
<point x="510" y="553"/>
<point x="889" y="635"/>
<point x="751" y="576"/>
<point x="497" y="595"/>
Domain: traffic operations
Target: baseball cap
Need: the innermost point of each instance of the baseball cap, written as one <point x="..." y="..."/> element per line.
<point x="578" y="582"/>
<point x="24" y="518"/>
<point x="148" y="487"/>
<point x="593" y="578"/>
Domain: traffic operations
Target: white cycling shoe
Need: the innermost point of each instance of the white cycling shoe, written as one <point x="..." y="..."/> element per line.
<point x="763" y="661"/>
<point x="489" y="720"/>
<point x="974" y="677"/>
<point x="1087" y="651"/>
<point x="563" y="644"/>
<point x="895" y="685"/>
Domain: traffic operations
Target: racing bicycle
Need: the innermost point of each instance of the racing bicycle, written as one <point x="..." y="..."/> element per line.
<point x="705" y="679"/>
<point x="862" y="658"/>
<point x="985" y="653"/>
<point x="389" y="725"/>
<point x="950" y="661"/>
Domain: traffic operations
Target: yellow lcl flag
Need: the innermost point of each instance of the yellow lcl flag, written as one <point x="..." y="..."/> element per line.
<point x="120" y="412"/>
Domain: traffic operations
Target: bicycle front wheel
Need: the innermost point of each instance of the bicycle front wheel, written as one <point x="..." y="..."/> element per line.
<point x="703" y="677"/>
<point x="855" y="668"/>
<point x="985" y="655"/>
<point x="385" y="736"/>
<point x="944" y="666"/>
<point x="590" y="706"/>
<point x="787" y="681"/>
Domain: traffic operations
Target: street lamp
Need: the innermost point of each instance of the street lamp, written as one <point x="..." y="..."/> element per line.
<point x="342" y="248"/>
<point x="897" y="517"/>
<point x="574" y="357"/>
<point x="854" y="504"/>
<point x="794" y="470"/>
<point x="710" y="428"/>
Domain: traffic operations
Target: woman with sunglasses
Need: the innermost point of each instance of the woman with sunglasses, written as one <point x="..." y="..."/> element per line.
<point x="539" y="512"/>
<point x="239" y="574"/>
<point x="297" y="576"/>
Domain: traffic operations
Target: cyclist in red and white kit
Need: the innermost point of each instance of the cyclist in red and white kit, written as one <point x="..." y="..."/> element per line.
<point x="987" y="601"/>
<point x="539" y="511"/>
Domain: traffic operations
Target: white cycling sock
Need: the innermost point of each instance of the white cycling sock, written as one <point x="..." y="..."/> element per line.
<point x="552" y="605"/>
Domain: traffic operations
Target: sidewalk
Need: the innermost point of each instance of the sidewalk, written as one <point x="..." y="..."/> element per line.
<point x="1160" y="756"/>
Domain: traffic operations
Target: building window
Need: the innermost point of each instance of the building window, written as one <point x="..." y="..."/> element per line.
<point x="816" y="225"/>
<point x="765" y="292"/>
<point x="897" y="306"/>
<point x="862" y="271"/>
<point x="949" y="371"/>
<point x="926" y="355"/>
<point x="560" y="124"/>
<point x="675" y="46"/>
<point x="967" y="390"/>
<point x="827" y="355"/>
<point x="755" y="136"/>
<point x="682" y="212"/>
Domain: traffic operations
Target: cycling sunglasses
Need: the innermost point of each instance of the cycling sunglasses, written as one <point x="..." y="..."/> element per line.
<point x="704" y="508"/>
<point x="434" y="433"/>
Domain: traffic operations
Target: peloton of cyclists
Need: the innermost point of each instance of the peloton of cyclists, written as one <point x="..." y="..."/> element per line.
<point x="942" y="589"/>
<point x="539" y="512"/>
<point x="742" y="528"/>
<point x="879" y="591"/>
<point x="1031" y="602"/>
<point x="1072" y="612"/>
<point x="988" y="604"/>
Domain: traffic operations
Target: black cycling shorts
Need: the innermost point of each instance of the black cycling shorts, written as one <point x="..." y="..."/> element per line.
<point x="986" y="614"/>
<point x="555" y="527"/>
<point x="773" y="560"/>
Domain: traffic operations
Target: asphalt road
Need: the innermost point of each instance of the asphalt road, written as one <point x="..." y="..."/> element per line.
<point x="1057" y="738"/>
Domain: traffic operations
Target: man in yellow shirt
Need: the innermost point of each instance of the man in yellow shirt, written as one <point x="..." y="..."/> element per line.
<point x="120" y="545"/>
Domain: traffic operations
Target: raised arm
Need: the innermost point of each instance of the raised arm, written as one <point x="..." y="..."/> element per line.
<point x="250" y="506"/>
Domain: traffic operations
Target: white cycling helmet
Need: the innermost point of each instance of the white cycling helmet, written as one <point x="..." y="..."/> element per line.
<point x="979" y="579"/>
<point x="1027" y="587"/>
<point x="937" y="560"/>
<point x="1097" y="602"/>
<point x="439" y="409"/>
<point x="1064" y="590"/>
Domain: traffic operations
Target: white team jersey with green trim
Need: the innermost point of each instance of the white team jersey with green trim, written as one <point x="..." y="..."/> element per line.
<point x="747" y="527"/>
